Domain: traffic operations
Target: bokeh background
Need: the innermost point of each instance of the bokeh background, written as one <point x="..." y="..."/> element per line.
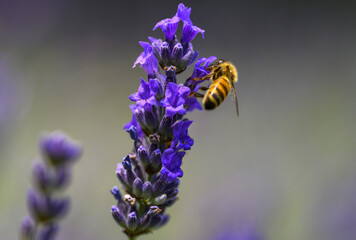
<point x="285" y="169"/>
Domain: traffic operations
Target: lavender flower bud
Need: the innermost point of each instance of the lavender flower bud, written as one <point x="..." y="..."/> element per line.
<point x="151" y="119"/>
<point x="156" y="161"/>
<point x="41" y="177"/>
<point x="130" y="177"/>
<point x="27" y="228"/>
<point x="59" y="148"/>
<point x="118" y="216"/>
<point x="189" y="57"/>
<point x="177" y="53"/>
<point x="47" y="232"/>
<point x="154" y="210"/>
<point x="172" y="193"/>
<point x="159" y="184"/>
<point x="159" y="221"/>
<point x="133" y="133"/>
<point x="132" y="222"/>
<point x="169" y="202"/>
<point x="115" y="191"/>
<point x="137" y="187"/>
<point x="165" y="54"/>
<point x="62" y="178"/>
<point x="156" y="48"/>
<point x="126" y="162"/>
<point x="160" y="199"/>
<point x="165" y="128"/>
<point x="147" y="190"/>
<point x="143" y="155"/>
<point x="46" y="180"/>
<point x="46" y="209"/>
<point x="121" y="175"/>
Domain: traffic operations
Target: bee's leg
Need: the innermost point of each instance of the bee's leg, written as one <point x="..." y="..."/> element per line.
<point x="203" y="88"/>
<point x="206" y="77"/>
<point x="198" y="95"/>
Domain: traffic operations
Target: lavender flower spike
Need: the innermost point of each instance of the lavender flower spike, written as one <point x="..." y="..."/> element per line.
<point x="51" y="174"/>
<point x="150" y="174"/>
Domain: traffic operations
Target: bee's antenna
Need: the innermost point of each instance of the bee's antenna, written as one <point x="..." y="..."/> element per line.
<point x="236" y="101"/>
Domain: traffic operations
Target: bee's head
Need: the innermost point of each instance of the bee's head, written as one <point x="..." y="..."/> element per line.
<point x="216" y="63"/>
<point x="220" y="61"/>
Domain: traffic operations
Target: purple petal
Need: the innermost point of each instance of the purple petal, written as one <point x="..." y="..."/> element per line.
<point x="190" y="31"/>
<point x="135" y="96"/>
<point x="183" y="13"/>
<point x="168" y="26"/>
<point x="192" y="104"/>
<point x="155" y="86"/>
<point x="144" y="90"/>
<point x="134" y="122"/>
<point x="147" y="60"/>
<point x="170" y="111"/>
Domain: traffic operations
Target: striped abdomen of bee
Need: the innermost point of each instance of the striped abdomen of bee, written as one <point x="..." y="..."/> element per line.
<point x="216" y="93"/>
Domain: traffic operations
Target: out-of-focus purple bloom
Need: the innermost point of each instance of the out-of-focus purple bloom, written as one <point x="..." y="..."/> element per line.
<point x="49" y="177"/>
<point x="176" y="96"/>
<point x="242" y="234"/>
<point x="47" y="180"/>
<point x="171" y="161"/>
<point x="28" y="228"/>
<point x="147" y="60"/>
<point x="59" y="148"/>
<point x="181" y="139"/>
<point x="45" y="209"/>
<point x="47" y="232"/>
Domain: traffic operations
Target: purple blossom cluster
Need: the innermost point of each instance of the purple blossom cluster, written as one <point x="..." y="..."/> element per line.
<point x="150" y="174"/>
<point x="51" y="175"/>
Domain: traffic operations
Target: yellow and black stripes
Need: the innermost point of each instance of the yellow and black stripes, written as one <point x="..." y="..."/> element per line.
<point x="216" y="93"/>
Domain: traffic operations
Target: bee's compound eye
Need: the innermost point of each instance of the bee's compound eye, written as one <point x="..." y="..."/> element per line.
<point x="221" y="61"/>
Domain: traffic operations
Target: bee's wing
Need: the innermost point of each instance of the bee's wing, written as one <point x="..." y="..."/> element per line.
<point x="235" y="99"/>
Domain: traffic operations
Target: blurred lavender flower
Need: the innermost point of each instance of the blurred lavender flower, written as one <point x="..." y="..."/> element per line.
<point x="150" y="174"/>
<point x="246" y="234"/>
<point x="242" y="231"/>
<point x="50" y="176"/>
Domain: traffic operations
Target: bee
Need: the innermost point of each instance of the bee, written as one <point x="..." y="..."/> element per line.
<point x="223" y="75"/>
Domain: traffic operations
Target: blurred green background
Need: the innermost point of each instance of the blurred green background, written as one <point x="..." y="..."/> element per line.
<point x="286" y="168"/>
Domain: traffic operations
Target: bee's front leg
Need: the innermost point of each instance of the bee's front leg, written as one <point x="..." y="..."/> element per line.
<point x="198" y="95"/>
<point x="203" y="88"/>
<point x="206" y="77"/>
